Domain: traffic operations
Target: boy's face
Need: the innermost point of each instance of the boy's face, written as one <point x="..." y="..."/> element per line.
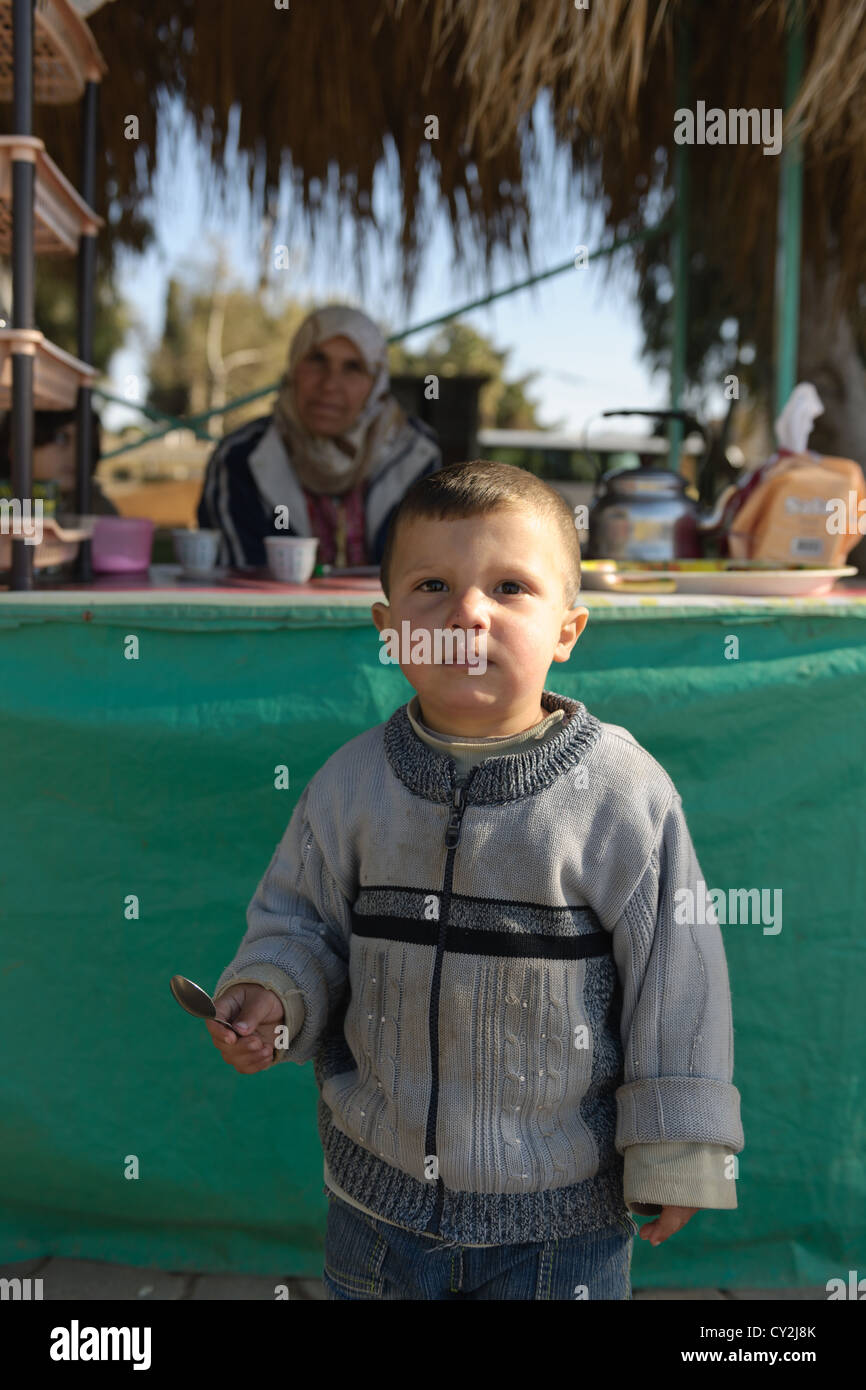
<point x="501" y="576"/>
<point x="57" y="459"/>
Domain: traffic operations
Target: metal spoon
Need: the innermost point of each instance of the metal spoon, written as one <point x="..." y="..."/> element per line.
<point x="197" y="1001"/>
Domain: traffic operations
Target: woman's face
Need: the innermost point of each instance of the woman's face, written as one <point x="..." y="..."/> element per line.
<point x="331" y="386"/>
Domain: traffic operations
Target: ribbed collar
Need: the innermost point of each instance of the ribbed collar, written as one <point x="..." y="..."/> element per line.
<point x="498" y="778"/>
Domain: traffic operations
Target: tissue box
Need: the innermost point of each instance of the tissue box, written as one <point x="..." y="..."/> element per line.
<point x="804" y="511"/>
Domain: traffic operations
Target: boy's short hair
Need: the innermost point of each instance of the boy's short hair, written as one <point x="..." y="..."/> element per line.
<point x="482" y="486"/>
<point x="47" y="426"/>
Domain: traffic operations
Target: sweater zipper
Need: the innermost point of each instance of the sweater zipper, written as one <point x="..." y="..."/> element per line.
<point x="452" y="838"/>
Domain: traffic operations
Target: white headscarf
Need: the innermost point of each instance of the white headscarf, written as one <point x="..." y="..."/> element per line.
<point x="87" y="7"/>
<point x="336" y="464"/>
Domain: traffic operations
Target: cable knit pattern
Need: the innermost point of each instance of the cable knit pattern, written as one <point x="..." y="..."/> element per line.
<point x="524" y="997"/>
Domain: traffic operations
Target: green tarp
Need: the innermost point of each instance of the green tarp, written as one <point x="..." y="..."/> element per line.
<point x="127" y="1138"/>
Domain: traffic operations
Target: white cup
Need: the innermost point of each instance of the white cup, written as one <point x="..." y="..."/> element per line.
<point x="291" y="559"/>
<point x="196" y="551"/>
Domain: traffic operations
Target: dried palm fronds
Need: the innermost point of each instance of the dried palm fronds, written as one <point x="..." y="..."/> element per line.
<point x="330" y="89"/>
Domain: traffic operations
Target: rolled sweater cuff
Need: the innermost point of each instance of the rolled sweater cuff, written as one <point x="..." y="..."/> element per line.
<point x="678" y="1174"/>
<point x="271" y="977"/>
<point x="679" y="1109"/>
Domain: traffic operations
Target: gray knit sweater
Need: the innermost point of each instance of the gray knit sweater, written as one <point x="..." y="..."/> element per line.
<point x="498" y="1002"/>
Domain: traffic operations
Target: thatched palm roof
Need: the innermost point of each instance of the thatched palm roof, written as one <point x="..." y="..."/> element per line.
<point x="611" y="74"/>
<point x="331" y="86"/>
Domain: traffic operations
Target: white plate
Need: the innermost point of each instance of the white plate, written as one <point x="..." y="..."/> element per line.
<point x="756" y="583"/>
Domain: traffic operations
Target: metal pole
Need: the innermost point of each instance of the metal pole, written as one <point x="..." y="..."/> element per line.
<point x="680" y="259"/>
<point x="680" y="268"/>
<point x="86" y="300"/>
<point x="22" y="285"/>
<point x="789" y="239"/>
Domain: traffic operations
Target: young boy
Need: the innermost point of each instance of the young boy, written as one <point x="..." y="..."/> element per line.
<point x="472" y="926"/>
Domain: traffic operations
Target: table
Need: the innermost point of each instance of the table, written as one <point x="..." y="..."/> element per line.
<point x="141" y="733"/>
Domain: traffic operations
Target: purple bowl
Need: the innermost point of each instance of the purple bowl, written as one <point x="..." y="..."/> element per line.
<point x="121" y="544"/>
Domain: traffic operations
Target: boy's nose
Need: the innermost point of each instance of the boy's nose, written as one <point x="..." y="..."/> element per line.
<point x="470" y="601"/>
<point x="470" y="613"/>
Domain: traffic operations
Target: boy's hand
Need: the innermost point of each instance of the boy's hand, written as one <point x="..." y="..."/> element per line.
<point x="254" y="1011"/>
<point x="671" y="1220"/>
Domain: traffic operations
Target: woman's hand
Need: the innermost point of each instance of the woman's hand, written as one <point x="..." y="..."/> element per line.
<point x="671" y="1220"/>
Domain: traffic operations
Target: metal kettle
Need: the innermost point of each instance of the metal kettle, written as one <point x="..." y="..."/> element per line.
<point x="645" y="513"/>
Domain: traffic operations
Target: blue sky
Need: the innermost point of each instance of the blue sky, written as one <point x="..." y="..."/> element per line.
<point x="579" y="330"/>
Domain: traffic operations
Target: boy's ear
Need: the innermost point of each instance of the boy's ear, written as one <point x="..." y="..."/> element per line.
<point x="575" y="622"/>
<point x="381" y="613"/>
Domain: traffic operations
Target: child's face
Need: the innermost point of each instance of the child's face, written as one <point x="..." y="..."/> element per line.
<point x="57" y="460"/>
<point x="500" y="575"/>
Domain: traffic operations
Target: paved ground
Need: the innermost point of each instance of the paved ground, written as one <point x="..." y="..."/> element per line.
<point x="93" y="1279"/>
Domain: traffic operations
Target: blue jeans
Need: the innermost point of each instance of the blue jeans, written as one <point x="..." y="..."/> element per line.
<point x="369" y="1259"/>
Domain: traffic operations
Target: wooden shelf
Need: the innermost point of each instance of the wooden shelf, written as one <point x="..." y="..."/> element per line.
<point x="60" y="215"/>
<point x="59" y="544"/>
<point x="57" y="375"/>
<point x="65" y="55"/>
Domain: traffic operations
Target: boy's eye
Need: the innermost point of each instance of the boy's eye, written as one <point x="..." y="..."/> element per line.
<point x="514" y="582"/>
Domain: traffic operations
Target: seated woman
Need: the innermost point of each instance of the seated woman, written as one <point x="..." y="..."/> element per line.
<point x="338" y="451"/>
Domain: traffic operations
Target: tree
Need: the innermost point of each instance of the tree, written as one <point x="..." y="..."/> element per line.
<point x="169" y="363"/>
<point x="220" y="342"/>
<point x="55" y="308"/>
<point x="458" y="349"/>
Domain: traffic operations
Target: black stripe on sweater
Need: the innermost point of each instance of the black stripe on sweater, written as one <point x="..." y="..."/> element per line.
<point x="483" y="943"/>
